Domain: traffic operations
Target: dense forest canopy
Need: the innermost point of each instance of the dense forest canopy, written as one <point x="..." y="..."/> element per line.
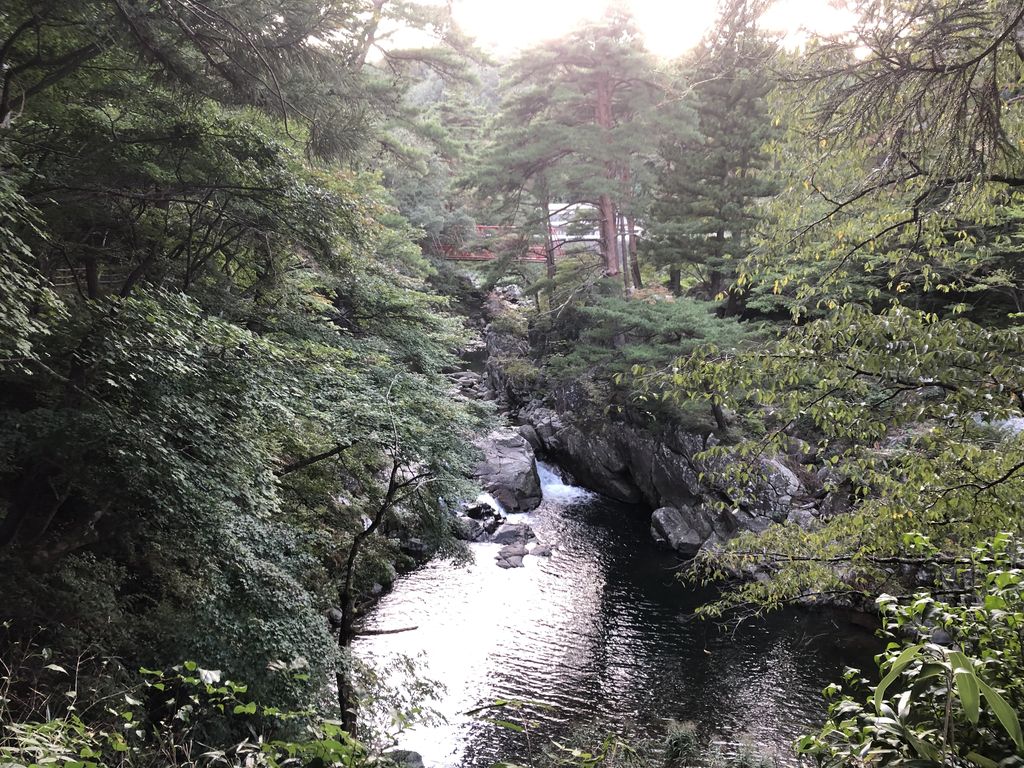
<point x="227" y="320"/>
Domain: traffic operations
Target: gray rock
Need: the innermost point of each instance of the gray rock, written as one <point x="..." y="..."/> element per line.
<point x="837" y="502"/>
<point x="512" y="533"/>
<point x="546" y="424"/>
<point x="685" y="530"/>
<point x="542" y="550"/>
<point x="488" y="517"/>
<point x="512" y="550"/>
<point x="510" y="562"/>
<point x="478" y="511"/>
<point x="491" y="524"/>
<point x="782" y="478"/>
<point x="1010" y="427"/>
<point x="804" y="517"/>
<point x="509" y="471"/>
<point x="468" y="529"/>
<point x="510" y="293"/>
<point x="416" y="548"/>
<point x="770" y="494"/>
<point x="531" y="436"/>
<point x="673" y="481"/>
<point x="597" y="462"/>
<point x="747" y="520"/>
<point x="403" y="758"/>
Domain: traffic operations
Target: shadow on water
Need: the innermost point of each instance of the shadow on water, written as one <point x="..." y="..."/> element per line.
<point x="604" y="635"/>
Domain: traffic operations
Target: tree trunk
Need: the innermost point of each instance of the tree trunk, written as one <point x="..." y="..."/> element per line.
<point x="624" y="251"/>
<point x="608" y="236"/>
<point x="348" y="703"/>
<point x="549" y="241"/>
<point x="605" y="203"/>
<point x="347" y="700"/>
<point x="92" y="278"/>
<point x="675" y="281"/>
<point x="719" y="414"/>
<point x="638" y="282"/>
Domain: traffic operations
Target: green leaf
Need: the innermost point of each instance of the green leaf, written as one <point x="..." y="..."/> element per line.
<point x="966" y="685"/>
<point x="923" y="748"/>
<point x="1004" y="712"/>
<point x="981" y="760"/>
<point x="508" y="725"/>
<point x="901" y="663"/>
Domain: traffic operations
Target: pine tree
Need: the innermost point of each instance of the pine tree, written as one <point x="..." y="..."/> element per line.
<point x="708" y="185"/>
<point x="575" y="125"/>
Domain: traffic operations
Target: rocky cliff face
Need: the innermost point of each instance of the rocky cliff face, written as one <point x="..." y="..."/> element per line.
<point x="664" y="470"/>
<point x="661" y="469"/>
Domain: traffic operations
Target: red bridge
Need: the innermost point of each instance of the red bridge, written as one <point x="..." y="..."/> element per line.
<point x="480" y="252"/>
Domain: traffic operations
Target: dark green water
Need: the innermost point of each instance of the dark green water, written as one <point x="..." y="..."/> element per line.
<point x="604" y="635"/>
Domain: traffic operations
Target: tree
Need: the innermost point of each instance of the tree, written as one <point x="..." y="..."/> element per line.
<point x="939" y="701"/>
<point x="873" y="248"/>
<point x="709" y="184"/>
<point x="911" y="117"/>
<point x="575" y="126"/>
<point x="215" y="306"/>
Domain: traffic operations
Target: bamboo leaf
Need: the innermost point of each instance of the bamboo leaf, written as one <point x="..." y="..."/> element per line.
<point x="966" y="685"/>
<point x="1004" y="712"/>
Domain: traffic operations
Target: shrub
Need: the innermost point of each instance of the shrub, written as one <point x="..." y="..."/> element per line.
<point x="950" y="697"/>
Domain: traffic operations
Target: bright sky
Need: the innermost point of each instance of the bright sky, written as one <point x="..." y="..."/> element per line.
<point x="670" y="27"/>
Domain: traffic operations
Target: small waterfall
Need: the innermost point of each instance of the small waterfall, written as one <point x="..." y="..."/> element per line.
<point x="493" y="503"/>
<point x="555" y="489"/>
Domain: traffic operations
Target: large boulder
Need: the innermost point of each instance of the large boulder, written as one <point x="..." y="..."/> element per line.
<point x="468" y="529"/>
<point x="488" y="517"/>
<point x="512" y="533"/>
<point x="772" y="491"/>
<point x="531" y="436"/>
<point x="509" y="471"/>
<point x="685" y="530"/>
<point x="597" y="461"/>
<point x="513" y="550"/>
<point x="546" y="424"/>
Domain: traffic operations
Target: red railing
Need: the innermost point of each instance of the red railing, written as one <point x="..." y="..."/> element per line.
<point x="535" y="253"/>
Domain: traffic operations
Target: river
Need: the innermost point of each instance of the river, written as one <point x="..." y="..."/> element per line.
<point x="603" y="635"/>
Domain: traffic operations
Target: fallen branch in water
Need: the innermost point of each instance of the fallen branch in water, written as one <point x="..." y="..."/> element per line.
<point x="371" y="632"/>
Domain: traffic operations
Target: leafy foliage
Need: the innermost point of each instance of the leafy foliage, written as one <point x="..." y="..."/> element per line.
<point x="217" y="332"/>
<point x="957" y="700"/>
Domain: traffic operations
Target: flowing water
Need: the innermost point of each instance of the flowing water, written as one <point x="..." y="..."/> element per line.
<point x="603" y="636"/>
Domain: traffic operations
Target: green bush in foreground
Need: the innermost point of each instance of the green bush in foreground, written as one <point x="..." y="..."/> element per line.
<point x="952" y="679"/>
<point x="185" y="716"/>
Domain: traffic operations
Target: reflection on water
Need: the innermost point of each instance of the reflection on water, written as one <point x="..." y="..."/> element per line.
<point x="603" y="633"/>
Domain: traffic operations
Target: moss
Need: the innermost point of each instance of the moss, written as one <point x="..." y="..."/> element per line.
<point x="520" y="371"/>
<point x="511" y="323"/>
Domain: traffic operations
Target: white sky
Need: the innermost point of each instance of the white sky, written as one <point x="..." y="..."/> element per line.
<point x="670" y="27"/>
